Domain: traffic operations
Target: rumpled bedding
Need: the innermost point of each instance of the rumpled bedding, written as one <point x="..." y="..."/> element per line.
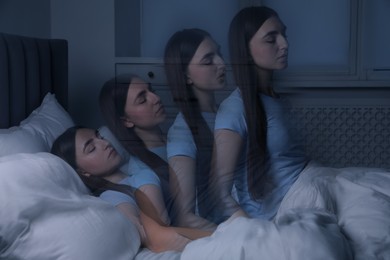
<point x="46" y="213"/>
<point x="303" y="234"/>
<point x="359" y="197"/>
<point x="329" y="213"/>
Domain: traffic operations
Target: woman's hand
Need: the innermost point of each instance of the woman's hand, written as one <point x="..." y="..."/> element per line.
<point x="161" y="238"/>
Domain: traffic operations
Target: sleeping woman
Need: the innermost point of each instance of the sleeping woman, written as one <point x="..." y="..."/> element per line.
<point x="255" y="150"/>
<point x="98" y="165"/>
<point x="195" y="69"/>
<point x="253" y="147"/>
<point x="133" y="113"/>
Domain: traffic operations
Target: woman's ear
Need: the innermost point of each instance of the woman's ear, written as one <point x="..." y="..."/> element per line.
<point x="127" y="122"/>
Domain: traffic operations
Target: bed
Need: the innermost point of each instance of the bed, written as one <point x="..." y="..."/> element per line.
<point x="47" y="212"/>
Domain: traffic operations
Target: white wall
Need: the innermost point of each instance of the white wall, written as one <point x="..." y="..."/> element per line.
<point x="28" y="18"/>
<point x="88" y="26"/>
<point x="160" y="19"/>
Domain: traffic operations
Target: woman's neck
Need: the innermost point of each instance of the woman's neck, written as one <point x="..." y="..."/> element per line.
<point x="265" y="80"/>
<point x="151" y="137"/>
<point x="206" y="100"/>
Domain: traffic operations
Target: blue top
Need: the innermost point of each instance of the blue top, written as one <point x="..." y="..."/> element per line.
<point x="115" y="197"/>
<point x="180" y="139"/>
<point x="161" y="151"/>
<point x="139" y="174"/>
<point x="181" y="143"/>
<point x="286" y="157"/>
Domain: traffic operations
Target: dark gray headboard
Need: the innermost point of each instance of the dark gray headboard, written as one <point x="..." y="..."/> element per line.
<point x="29" y="69"/>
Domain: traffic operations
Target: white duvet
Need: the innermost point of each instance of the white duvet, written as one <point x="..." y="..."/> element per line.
<point x="327" y="214"/>
<point x="46" y="213"/>
<point x="298" y="235"/>
<point x="359" y="197"/>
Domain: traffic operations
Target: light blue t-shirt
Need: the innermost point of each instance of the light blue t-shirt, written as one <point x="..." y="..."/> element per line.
<point x="180" y="139"/>
<point x="161" y="151"/>
<point x="181" y="143"/>
<point x="115" y="197"/>
<point x="139" y="174"/>
<point x="286" y="157"/>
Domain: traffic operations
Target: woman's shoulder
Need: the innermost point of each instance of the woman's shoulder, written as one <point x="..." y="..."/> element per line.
<point x="136" y="165"/>
<point x="179" y="127"/>
<point x="234" y="97"/>
<point x="117" y="197"/>
<point x="231" y="105"/>
<point x="179" y="120"/>
<point x="275" y="105"/>
<point x="140" y="174"/>
<point x="231" y="114"/>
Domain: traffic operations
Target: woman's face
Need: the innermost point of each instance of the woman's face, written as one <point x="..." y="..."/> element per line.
<point x="269" y="46"/>
<point x="143" y="107"/>
<point x="94" y="155"/>
<point x="206" y="71"/>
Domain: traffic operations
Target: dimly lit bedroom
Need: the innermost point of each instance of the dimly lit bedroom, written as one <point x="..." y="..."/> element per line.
<point x="178" y="129"/>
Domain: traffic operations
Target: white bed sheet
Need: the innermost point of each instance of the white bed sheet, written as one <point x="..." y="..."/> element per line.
<point x="146" y="254"/>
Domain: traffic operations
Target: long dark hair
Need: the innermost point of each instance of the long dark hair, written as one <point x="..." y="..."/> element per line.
<point x="112" y="100"/>
<point x="65" y="147"/>
<point x="179" y="51"/>
<point x="242" y="28"/>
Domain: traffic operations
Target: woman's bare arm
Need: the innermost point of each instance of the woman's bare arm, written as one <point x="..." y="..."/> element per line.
<point x="226" y="152"/>
<point x="153" y="236"/>
<point x="161" y="238"/>
<point x="133" y="214"/>
<point x="182" y="182"/>
<point x="152" y="203"/>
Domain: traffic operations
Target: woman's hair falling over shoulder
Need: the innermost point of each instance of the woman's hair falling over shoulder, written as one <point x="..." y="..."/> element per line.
<point x="112" y="101"/>
<point x="242" y="28"/>
<point x="179" y="51"/>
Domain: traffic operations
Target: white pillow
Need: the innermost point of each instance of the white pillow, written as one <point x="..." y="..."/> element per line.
<point x="16" y="140"/>
<point x="47" y="213"/>
<point x="38" y="131"/>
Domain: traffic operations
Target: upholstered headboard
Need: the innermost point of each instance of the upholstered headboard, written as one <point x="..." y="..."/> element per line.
<point x="30" y="68"/>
